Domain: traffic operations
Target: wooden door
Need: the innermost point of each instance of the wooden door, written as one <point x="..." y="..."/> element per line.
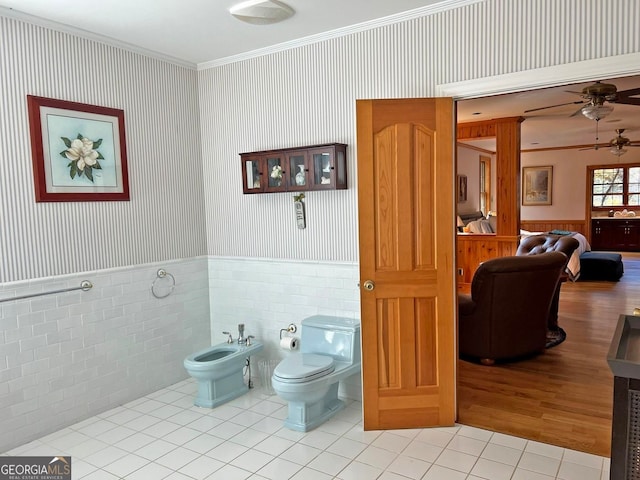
<point x="407" y="236"/>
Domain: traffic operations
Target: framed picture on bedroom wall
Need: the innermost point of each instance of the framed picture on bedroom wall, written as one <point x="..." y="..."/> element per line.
<point x="537" y="185"/>
<point x="462" y="188"/>
<point x="78" y="150"/>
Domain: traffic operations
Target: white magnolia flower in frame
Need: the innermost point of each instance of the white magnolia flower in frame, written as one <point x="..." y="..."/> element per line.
<point x="83" y="154"/>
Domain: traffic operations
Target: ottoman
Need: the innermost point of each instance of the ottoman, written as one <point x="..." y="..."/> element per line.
<point x="601" y="266"/>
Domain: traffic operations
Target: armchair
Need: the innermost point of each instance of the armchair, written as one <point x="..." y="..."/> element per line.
<point x="536" y="244"/>
<point x="505" y="316"/>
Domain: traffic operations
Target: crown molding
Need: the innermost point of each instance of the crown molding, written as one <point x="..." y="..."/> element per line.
<point x="577" y="72"/>
<point x="78" y="32"/>
<point x="341" y="32"/>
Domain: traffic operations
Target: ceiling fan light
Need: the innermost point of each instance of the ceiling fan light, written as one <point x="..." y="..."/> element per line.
<point x="596" y="112"/>
<point x="261" y="12"/>
<point x="618" y="151"/>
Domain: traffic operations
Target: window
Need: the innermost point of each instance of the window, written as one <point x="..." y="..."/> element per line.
<point x="485" y="185"/>
<point x="615" y="186"/>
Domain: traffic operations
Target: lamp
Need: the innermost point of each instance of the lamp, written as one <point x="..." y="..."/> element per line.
<point x="261" y="12"/>
<point x="459" y="223"/>
<point x="594" y="111"/>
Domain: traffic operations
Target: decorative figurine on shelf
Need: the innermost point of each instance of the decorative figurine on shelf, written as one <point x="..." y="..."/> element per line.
<point x="300" y="176"/>
<point x="276" y="174"/>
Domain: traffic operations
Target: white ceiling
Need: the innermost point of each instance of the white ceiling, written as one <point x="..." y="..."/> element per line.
<point x="201" y="32"/>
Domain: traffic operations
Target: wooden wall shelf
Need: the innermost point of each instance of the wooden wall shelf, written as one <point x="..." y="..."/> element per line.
<point x="316" y="167"/>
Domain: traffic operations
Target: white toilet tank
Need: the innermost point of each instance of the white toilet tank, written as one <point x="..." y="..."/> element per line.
<point x="338" y="337"/>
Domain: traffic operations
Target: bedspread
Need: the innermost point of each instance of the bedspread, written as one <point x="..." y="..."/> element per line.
<point x="573" y="267"/>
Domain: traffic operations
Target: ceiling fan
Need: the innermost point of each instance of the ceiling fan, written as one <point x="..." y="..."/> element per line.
<point x="617" y="145"/>
<point x="594" y="98"/>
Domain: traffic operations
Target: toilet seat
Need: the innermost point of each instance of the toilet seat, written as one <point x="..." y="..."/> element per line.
<point x="303" y="367"/>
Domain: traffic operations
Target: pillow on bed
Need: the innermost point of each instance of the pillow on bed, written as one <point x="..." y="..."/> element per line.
<point x="480" y="226"/>
<point x="470" y="217"/>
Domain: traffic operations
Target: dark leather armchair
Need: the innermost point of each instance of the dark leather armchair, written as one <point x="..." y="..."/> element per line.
<point x="505" y="316"/>
<point x="536" y="244"/>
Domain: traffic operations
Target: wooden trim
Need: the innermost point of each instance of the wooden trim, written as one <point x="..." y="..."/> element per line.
<point x="580" y="226"/>
<point x="507" y="191"/>
<point x="477" y="149"/>
<point x="475" y="130"/>
<point x="473" y="249"/>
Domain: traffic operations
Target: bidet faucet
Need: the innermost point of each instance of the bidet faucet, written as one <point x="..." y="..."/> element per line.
<point x="241" y="339"/>
<point x="230" y="339"/>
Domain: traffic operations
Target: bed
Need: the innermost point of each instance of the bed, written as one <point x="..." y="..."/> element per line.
<point x="476" y="222"/>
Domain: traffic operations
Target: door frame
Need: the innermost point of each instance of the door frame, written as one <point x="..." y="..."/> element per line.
<point x="557" y="75"/>
<point x="584" y="71"/>
<point x="577" y="72"/>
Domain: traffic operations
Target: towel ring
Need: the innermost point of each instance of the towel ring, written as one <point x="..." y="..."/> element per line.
<point x="160" y="274"/>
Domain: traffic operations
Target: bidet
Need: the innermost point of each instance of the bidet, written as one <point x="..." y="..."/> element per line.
<point x="219" y="372"/>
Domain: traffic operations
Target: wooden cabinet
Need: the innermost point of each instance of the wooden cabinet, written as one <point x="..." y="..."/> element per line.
<point x="615" y="234"/>
<point x="317" y="167"/>
<point x="261" y="172"/>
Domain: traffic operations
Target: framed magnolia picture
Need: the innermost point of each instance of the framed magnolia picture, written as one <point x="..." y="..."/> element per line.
<point x="537" y="184"/>
<point x="78" y="150"/>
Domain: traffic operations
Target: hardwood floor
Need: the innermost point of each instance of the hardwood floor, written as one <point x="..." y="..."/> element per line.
<point x="563" y="397"/>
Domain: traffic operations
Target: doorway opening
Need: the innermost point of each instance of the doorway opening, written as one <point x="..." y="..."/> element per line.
<point x="576" y="302"/>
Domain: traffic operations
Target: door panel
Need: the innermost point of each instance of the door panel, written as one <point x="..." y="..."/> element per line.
<point x="406" y="220"/>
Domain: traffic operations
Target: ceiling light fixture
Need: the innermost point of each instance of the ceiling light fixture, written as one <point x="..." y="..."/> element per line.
<point x="261" y="12"/>
<point x="595" y="111"/>
<point x="618" y="143"/>
<point x="618" y="150"/>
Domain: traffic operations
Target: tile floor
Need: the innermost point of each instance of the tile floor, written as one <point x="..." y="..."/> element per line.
<point x="163" y="436"/>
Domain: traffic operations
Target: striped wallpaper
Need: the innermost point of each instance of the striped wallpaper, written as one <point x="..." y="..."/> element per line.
<point x="306" y="95"/>
<point x="164" y="218"/>
<point x="185" y="127"/>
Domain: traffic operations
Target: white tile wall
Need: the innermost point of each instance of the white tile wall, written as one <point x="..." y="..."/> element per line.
<point x="67" y="356"/>
<point x="267" y="295"/>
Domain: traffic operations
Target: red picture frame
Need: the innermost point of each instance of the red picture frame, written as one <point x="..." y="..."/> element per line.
<point x="79" y="151"/>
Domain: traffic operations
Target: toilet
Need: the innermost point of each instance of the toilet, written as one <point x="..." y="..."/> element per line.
<point x="308" y="380"/>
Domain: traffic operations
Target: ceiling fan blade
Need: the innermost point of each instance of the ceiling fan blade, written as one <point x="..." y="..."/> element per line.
<point x="629" y="97"/>
<point x="553" y="106"/>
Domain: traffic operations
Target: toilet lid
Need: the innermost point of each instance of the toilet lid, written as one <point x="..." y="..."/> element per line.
<point x="303" y="367"/>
